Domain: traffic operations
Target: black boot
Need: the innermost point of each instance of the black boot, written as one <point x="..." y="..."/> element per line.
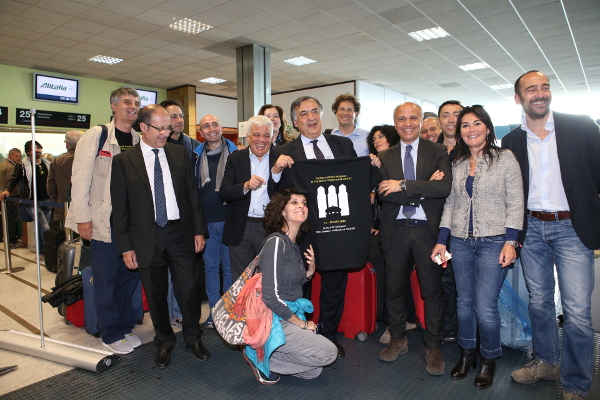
<point x="485" y="376"/>
<point x="468" y="359"/>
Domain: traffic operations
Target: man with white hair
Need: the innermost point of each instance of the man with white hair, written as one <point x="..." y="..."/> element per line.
<point x="59" y="175"/>
<point x="244" y="187"/>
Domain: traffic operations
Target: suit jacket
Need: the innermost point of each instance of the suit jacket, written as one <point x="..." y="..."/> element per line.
<point x="133" y="207"/>
<point x="237" y="172"/>
<point x="59" y="180"/>
<point x="340" y="147"/>
<point x="430" y="157"/>
<point x="578" y="147"/>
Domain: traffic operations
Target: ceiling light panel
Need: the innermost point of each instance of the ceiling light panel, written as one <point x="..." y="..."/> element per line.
<point x="502" y="86"/>
<point x="474" y="66"/>
<point x="213" y="80"/>
<point x="429" y="34"/>
<point x="297" y="61"/>
<point x="105" y="59"/>
<point x="190" y="26"/>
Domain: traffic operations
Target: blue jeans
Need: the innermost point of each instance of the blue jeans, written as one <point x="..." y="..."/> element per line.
<point x="216" y="254"/>
<point x="479" y="278"/>
<point x="555" y="242"/>
<point x="43" y="218"/>
<point x="174" y="310"/>
<point x="114" y="285"/>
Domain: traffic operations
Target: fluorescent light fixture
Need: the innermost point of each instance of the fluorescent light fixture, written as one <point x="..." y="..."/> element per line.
<point x="190" y="26"/>
<point x="502" y="86"/>
<point x="213" y="80"/>
<point x="297" y="61"/>
<point x="428" y="34"/>
<point x="105" y="59"/>
<point x="471" y="67"/>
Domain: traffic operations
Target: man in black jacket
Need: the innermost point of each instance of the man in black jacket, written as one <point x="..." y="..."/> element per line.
<point x="559" y="155"/>
<point x="306" y="113"/>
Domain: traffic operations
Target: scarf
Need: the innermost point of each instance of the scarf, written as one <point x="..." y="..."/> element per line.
<point x="204" y="174"/>
<point x="258" y="316"/>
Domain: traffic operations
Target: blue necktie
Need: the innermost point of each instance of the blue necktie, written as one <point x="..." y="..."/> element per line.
<point x="160" y="201"/>
<point x="409" y="175"/>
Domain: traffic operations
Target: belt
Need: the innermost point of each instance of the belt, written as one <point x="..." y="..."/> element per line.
<point x="549" y="215"/>
<point x="254" y="219"/>
<point x="411" y="222"/>
<point x="171" y="222"/>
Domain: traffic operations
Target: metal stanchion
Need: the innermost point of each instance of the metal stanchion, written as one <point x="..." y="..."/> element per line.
<point x="35" y="345"/>
<point x="7" y="256"/>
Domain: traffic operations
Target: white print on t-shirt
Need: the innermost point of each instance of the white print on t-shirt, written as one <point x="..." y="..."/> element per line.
<point x="334" y="203"/>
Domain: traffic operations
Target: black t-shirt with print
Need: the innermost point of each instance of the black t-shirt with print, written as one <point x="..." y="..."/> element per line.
<point x="124" y="139"/>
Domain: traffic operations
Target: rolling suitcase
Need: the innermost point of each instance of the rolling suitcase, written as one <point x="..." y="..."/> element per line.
<point x="360" y="304"/>
<point x="90" y="316"/>
<point x="75" y="314"/>
<point x="419" y="303"/>
<point x="73" y="257"/>
<point x="52" y="240"/>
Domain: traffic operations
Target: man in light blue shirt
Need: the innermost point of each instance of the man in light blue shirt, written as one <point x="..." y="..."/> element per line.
<point x="244" y="187"/>
<point x="346" y="108"/>
<point x="560" y="165"/>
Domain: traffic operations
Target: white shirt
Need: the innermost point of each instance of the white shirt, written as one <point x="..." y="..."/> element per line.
<point x="546" y="190"/>
<point x="419" y="212"/>
<point x="310" y="152"/>
<point x="323" y="146"/>
<point x="149" y="157"/>
<point x="259" y="198"/>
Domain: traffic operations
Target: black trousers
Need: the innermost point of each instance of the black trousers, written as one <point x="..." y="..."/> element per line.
<point x="171" y="254"/>
<point x="333" y="293"/>
<point x="414" y="243"/>
<point x="250" y="246"/>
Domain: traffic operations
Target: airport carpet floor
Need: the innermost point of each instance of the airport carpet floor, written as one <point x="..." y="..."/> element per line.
<point x="227" y="376"/>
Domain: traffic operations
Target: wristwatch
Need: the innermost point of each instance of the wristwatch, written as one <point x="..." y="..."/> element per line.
<point x="513" y="243"/>
<point x="403" y="185"/>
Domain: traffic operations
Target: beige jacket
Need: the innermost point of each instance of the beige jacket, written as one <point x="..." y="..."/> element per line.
<point x="90" y="191"/>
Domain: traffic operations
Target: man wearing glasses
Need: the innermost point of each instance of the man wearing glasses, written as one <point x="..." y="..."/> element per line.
<point x="346" y="108"/>
<point x="159" y="227"/>
<point x="90" y="215"/>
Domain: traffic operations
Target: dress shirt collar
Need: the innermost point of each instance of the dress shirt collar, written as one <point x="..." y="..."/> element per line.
<point x="549" y="125"/>
<point x="148" y="150"/>
<point x="305" y="140"/>
<point x="253" y="157"/>
<point x="415" y="146"/>
<point x="337" y="131"/>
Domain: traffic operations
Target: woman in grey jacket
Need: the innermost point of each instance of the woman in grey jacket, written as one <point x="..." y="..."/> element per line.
<point x="304" y="353"/>
<point x="482" y="216"/>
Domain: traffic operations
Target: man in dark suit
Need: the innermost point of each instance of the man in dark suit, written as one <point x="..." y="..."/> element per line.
<point x="59" y="174"/>
<point x="159" y="226"/>
<point x="409" y="225"/>
<point x="306" y="113"/>
<point x="559" y="156"/>
<point x="244" y="187"/>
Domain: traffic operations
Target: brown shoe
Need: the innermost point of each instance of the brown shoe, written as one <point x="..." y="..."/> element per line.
<point x="394" y="349"/>
<point x="535" y="371"/>
<point x="435" y="362"/>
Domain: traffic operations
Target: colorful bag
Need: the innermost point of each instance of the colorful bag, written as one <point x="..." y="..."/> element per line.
<point x="228" y="323"/>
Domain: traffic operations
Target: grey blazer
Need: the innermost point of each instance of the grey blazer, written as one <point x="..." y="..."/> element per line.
<point x="497" y="198"/>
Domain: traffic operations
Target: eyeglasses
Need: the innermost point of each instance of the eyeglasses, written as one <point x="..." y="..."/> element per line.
<point x="345" y="109"/>
<point x="162" y="130"/>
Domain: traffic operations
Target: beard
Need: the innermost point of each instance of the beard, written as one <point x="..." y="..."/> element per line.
<point x="533" y="113"/>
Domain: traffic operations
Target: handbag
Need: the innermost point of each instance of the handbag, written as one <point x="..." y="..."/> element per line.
<point x="228" y="323"/>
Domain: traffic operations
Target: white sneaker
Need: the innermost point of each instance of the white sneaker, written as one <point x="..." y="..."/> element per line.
<point x="120" y="346"/>
<point x="177" y="322"/>
<point x="133" y="340"/>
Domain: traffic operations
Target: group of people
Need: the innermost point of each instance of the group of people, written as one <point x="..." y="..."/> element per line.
<point x="53" y="179"/>
<point x="151" y="204"/>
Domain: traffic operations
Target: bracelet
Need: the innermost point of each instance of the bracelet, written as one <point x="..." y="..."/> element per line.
<point x="305" y="325"/>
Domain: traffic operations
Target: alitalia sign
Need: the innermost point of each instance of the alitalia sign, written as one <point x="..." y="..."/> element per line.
<point x="53" y="87"/>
